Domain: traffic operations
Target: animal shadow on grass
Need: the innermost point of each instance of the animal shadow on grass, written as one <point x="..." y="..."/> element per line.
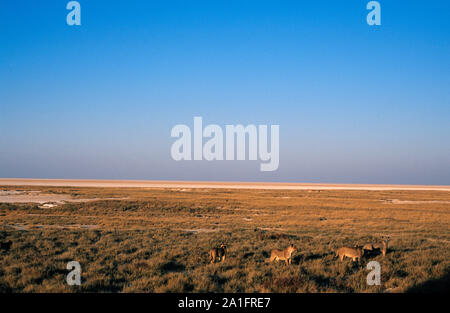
<point x="399" y="250"/>
<point x="439" y="285"/>
<point x="275" y="236"/>
<point x="315" y="256"/>
<point x="172" y="266"/>
<point x="371" y="253"/>
<point x="220" y="281"/>
<point x="296" y="259"/>
<point x="5" y="246"/>
<point x="3" y="235"/>
<point x="309" y="257"/>
<point x="322" y="281"/>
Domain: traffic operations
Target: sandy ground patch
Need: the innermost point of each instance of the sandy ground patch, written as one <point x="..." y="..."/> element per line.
<point x="200" y="230"/>
<point x="46" y="200"/>
<point x="26" y="227"/>
<point x="397" y="201"/>
<point x="33" y="197"/>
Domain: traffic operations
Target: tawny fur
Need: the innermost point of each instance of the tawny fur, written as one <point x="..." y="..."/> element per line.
<point x="354" y="253"/>
<point x="282" y="255"/>
<point x="218" y="253"/>
<point x="379" y="245"/>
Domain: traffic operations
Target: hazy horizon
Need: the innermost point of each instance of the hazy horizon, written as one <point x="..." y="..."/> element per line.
<point x="20" y="180"/>
<point x="355" y="103"/>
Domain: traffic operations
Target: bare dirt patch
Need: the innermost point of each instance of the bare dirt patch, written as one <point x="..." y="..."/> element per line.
<point x="45" y="199"/>
<point x="200" y="230"/>
<point x="398" y="201"/>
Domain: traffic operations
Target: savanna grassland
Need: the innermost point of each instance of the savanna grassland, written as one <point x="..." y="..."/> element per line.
<point x="157" y="240"/>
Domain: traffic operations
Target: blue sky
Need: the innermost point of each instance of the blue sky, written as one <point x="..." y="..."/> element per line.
<point x="355" y="103"/>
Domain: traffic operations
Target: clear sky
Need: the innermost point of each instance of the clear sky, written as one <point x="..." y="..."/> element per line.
<point x="355" y="103"/>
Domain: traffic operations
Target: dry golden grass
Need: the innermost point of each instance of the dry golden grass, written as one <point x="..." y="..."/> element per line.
<point x="157" y="240"/>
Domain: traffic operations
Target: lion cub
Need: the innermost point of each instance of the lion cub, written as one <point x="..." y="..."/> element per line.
<point x="354" y="253"/>
<point x="218" y="253"/>
<point x="381" y="245"/>
<point x="282" y="255"/>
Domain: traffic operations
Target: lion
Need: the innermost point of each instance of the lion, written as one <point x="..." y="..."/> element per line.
<point x="282" y="255"/>
<point x="378" y="245"/>
<point x="355" y="253"/>
<point x="218" y="253"/>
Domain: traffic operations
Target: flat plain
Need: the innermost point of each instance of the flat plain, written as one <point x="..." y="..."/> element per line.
<point x="142" y="239"/>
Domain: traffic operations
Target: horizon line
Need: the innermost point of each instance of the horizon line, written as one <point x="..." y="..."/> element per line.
<point x="142" y="183"/>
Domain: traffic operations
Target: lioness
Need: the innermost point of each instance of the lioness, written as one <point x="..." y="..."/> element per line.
<point x="281" y="255"/>
<point x="218" y="253"/>
<point x="354" y="253"/>
<point x="380" y="245"/>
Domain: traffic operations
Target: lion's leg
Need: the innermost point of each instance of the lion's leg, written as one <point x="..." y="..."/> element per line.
<point x="223" y="258"/>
